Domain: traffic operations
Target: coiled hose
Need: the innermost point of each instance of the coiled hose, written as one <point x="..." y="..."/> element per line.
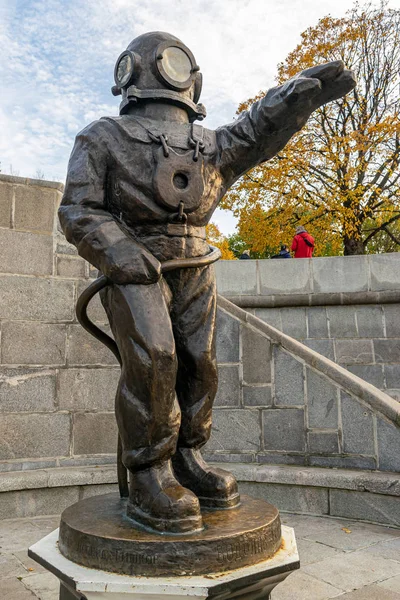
<point x="82" y="316"/>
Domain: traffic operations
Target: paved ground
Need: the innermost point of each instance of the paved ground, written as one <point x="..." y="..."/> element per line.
<point x="339" y="558"/>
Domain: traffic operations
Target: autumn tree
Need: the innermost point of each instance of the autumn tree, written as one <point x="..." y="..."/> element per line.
<point x="215" y="238"/>
<point x="238" y="245"/>
<point x="339" y="176"/>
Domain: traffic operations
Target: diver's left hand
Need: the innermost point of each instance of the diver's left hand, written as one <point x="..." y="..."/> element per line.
<point x="318" y="85"/>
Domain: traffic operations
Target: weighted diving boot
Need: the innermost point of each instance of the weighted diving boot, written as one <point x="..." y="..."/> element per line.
<point x="158" y="502"/>
<point x="215" y="488"/>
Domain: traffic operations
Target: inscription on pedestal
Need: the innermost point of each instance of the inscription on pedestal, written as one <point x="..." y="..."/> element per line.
<point x="249" y="545"/>
<point x="119" y="556"/>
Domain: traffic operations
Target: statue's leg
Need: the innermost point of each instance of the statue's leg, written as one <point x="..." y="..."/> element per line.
<point x="147" y="410"/>
<point x="193" y="313"/>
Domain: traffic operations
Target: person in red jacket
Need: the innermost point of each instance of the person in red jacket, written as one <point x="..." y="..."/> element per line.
<point x="303" y="243"/>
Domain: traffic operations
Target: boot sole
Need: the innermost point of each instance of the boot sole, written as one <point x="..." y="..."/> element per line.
<point x="219" y="503"/>
<point x="185" y="525"/>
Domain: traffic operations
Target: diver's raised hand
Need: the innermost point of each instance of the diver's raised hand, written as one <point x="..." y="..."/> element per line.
<point x="318" y="85"/>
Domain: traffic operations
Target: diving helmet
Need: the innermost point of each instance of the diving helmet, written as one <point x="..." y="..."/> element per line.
<point x="158" y="66"/>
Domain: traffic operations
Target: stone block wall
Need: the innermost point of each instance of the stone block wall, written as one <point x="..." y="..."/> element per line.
<point x="57" y="384"/>
<point x="364" y="338"/>
<point x="337" y="280"/>
<point x="281" y="403"/>
<point x="346" y="308"/>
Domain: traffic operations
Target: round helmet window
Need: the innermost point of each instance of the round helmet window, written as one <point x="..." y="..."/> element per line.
<point x="124" y="69"/>
<point x="176" y="64"/>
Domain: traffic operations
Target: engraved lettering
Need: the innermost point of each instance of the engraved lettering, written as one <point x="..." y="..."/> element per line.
<point x="259" y="544"/>
<point x="119" y="556"/>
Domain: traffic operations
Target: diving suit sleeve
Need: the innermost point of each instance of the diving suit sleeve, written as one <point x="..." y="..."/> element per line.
<point x="258" y="134"/>
<point x="88" y="224"/>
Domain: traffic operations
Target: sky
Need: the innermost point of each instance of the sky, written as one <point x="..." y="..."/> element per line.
<point x="57" y="61"/>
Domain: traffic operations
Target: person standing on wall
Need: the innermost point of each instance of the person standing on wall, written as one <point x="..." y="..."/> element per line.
<point x="303" y="243"/>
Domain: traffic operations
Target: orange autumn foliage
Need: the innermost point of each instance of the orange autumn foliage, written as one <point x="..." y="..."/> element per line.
<point x="215" y="238"/>
<point x="339" y="176"/>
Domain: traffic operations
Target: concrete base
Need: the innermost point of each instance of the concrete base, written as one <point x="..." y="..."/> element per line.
<point x="252" y="583"/>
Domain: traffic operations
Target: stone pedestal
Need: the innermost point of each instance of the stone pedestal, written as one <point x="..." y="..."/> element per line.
<point x="248" y="583"/>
